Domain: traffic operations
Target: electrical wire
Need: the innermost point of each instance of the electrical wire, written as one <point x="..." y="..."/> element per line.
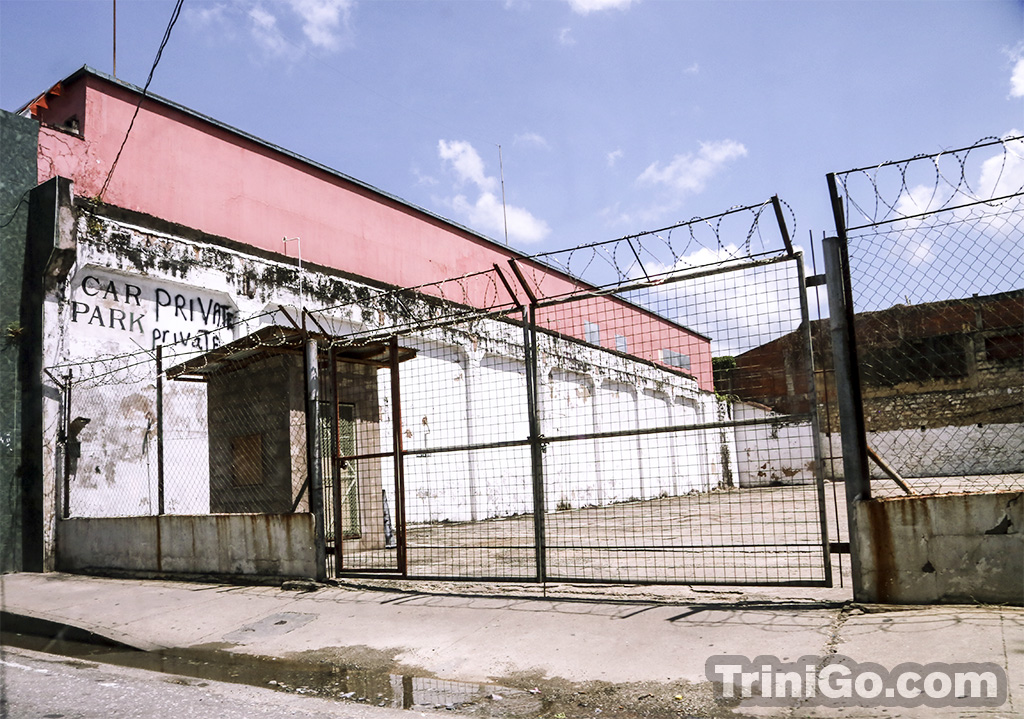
<point x="14" y="213"/>
<point x="145" y="89"/>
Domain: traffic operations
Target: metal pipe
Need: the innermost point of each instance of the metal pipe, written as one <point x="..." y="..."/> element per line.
<point x="66" y="509"/>
<point x="790" y="419"/>
<point x="336" y="464"/>
<point x="160" y="429"/>
<point x="396" y="438"/>
<point x="888" y="469"/>
<point x="851" y="411"/>
<point x="782" y="225"/>
<point x="313" y="467"/>
<point x="819" y="478"/>
<point x="536" y="440"/>
<point x="667" y="279"/>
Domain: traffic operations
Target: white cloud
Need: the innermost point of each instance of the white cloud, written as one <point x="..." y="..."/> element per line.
<point x="1016" y="55"/>
<point x="421" y="179"/>
<point x="279" y="28"/>
<point x="613" y="157"/>
<point x="1017" y="79"/>
<point x="692" y="69"/>
<point x="466" y="162"/>
<point x="666" y="186"/>
<point x="918" y="199"/>
<point x="264" y="29"/>
<point x="322" y="20"/>
<point x="1002" y="175"/>
<point x="565" y="36"/>
<point x="585" y="7"/>
<point x="205" y="14"/>
<point x="532" y="139"/>
<point x="486" y="213"/>
<point x="690" y="173"/>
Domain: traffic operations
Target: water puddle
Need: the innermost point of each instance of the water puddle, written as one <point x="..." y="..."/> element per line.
<point x="370" y="677"/>
<point x="367" y="685"/>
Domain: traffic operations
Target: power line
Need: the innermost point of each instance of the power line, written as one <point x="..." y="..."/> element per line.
<point x="14" y="213"/>
<point x="145" y="89"/>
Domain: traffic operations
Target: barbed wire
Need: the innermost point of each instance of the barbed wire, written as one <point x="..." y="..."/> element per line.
<point x="924" y="185"/>
<point x="367" y="314"/>
<point x="656" y="253"/>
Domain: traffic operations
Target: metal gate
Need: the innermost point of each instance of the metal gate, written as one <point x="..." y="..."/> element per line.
<point x="659" y="426"/>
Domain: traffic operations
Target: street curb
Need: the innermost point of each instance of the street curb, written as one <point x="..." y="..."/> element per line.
<point x="38" y="626"/>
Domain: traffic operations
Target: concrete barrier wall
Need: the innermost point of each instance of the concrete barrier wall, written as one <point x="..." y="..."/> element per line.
<point x="772" y="454"/>
<point x="252" y="545"/>
<point x="961" y="548"/>
<point x="941" y="451"/>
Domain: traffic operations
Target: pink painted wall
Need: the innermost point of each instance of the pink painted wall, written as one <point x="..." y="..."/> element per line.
<point x="187" y="170"/>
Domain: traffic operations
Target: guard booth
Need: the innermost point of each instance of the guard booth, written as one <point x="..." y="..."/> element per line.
<point x="258" y="415"/>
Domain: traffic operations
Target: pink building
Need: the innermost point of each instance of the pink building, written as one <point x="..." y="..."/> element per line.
<point x="193" y="171"/>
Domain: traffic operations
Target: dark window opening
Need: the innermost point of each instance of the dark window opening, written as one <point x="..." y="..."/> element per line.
<point x="917" y="360"/>
<point x="1005" y="348"/>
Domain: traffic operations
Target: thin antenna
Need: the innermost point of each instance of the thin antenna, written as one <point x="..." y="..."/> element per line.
<point x="115" y="38"/>
<point x="501" y="173"/>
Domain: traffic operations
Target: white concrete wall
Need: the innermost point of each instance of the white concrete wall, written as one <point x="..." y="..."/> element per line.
<point x="943" y="451"/>
<point x="772" y="454"/>
<point x="133" y="288"/>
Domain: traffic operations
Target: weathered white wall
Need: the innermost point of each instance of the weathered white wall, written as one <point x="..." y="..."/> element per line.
<point x="255" y="545"/>
<point x="943" y="451"/>
<point x="133" y="288"/>
<point x="772" y="453"/>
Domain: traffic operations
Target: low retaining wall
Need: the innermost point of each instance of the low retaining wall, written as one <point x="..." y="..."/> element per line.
<point x="939" y="451"/>
<point x="261" y="546"/>
<point x="960" y="548"/>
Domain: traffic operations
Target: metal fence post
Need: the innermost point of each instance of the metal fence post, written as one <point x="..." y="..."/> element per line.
<point x="399" y="453"/>
<point x="819" y="465"/>
<point x="66" y="432"/>
<point x="536" y="446"/>
<point x="851" y="411"/>
<point x="313" y="468"/>
<point x="160" y="428"/>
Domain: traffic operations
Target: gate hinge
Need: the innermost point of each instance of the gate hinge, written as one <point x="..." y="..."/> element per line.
<point x="814" y="280"/>
<point x="839" y="547"/>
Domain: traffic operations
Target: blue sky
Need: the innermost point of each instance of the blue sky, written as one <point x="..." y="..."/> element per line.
<point x="613" y="116"/>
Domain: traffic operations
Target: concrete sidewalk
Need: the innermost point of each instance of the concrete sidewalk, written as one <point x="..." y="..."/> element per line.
<point x="649" y="647"/>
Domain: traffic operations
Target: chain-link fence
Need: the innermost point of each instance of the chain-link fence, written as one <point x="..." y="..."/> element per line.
<point x="582" y="438"/>
<point x="936" y="266"/>
<point x="615" y="412"/>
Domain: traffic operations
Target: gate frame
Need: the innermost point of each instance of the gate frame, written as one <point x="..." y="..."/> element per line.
<point x="537" y="441"/>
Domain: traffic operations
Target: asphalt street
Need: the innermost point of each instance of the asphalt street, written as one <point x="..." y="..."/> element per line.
<point x="46" y="686"/>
